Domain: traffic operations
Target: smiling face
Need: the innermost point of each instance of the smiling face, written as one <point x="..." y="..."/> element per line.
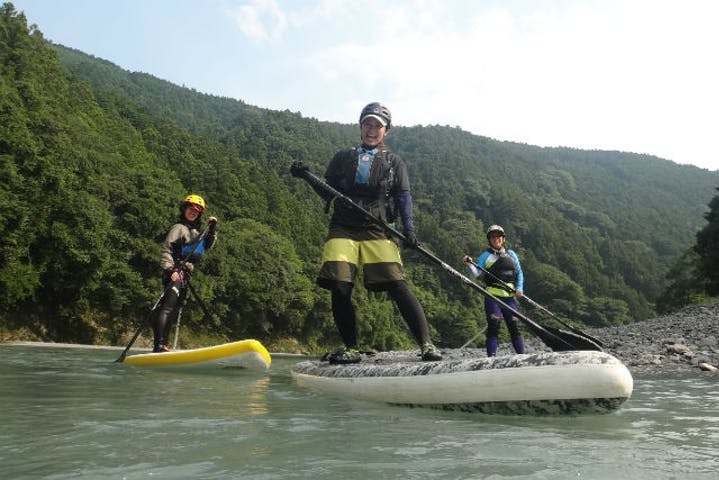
<point x="372" y="131"/>
<point x="496" y="240"/>
<point x="192" y="211"/>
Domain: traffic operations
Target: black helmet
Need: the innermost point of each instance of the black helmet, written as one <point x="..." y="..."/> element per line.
<point x="378" y="111"/>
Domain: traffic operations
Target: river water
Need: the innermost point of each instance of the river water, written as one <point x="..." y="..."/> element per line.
<point x="75" y="414"/>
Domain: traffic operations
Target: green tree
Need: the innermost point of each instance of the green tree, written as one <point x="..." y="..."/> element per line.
<point x="259" y="289"/>
<point x="707" y="248"/>
<point x="685" y="286"/>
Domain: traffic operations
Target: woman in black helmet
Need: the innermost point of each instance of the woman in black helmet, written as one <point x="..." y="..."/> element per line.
<point x="181" y="244"/>
<point x="378" y="181"/>
<point x="500" y="269"/>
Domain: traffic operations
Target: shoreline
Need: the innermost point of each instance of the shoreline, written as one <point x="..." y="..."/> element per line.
<point x="117" y="348"/>
<point x="682" y="341"/>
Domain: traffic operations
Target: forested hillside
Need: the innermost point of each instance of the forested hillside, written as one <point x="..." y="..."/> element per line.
<point x="95" y="160"/>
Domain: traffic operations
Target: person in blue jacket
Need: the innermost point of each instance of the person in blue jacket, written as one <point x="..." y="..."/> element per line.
<point x="499" y="268"/>
<point x="377" y="180"/>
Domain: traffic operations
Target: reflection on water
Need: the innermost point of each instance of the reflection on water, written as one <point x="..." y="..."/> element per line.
<point x="77" y="414"/>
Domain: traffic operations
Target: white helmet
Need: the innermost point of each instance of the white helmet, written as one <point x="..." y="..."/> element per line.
<point x="495" y="228"/>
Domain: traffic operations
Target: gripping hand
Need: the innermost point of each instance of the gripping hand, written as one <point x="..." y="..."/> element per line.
<point x="410" y="239"/>
<point x="298" y="168"/>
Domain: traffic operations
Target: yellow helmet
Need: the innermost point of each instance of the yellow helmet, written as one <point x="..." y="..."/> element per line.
<point x="195" y="200"/>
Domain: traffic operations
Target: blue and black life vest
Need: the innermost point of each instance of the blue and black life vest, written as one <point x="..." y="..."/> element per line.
<point x="368" y="174"/>
<point x="181" y="249"/>
<point x="367" y="178"/>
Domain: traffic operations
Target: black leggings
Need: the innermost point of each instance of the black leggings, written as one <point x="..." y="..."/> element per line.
<point x="167" y="313"/>
<point x="343" y="312"/>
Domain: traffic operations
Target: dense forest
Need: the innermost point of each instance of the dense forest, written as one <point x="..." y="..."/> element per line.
<point x="95" y="160"/>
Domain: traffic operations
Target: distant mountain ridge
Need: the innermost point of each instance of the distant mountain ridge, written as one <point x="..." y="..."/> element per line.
<point x="639" y="204"/>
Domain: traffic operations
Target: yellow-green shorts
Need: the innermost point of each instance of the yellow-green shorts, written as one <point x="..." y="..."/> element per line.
<point x="346" y="249"/>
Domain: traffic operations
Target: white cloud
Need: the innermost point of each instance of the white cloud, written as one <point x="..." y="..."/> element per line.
<point x="633" y="75"/>
<point x="618" y="75"/>
<point x="260" y="20"/>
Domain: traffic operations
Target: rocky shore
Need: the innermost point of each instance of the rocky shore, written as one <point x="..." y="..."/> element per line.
<point x="684" y="341"/>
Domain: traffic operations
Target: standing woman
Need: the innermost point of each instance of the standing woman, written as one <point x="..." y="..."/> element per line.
<point x="378" y="181"/>
<point x="180" y="244"/>
<point x="505" y="280"/>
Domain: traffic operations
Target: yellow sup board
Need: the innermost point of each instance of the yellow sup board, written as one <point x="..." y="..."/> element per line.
<point x="244" y="353"/>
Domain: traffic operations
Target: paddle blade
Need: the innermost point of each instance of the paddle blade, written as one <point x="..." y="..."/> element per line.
<point x="562" y="341"/>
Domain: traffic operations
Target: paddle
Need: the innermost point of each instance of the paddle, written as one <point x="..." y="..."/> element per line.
<point x="179" y="313"/>
<point x="557" y="340"/>
<point x="199" y="240"/>
<point x="473" y="338"/>
<point x="535" y="304"/>
<point x="177" y="328"/>
<point x="199" y="301"/>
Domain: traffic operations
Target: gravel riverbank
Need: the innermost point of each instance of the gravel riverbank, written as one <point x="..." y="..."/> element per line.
<point x="687" y="340"/>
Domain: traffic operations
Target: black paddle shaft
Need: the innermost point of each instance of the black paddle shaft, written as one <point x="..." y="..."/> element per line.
<point x="556" y="339"/>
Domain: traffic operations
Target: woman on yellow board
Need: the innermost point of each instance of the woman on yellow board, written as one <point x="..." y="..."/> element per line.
<point x="181" y="250"/>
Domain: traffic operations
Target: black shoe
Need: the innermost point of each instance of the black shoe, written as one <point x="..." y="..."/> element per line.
<point x="430" y="353"/>
<point x="344" y="356"/>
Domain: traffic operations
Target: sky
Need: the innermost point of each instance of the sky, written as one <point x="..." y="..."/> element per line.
<point x="636" y="76"/>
